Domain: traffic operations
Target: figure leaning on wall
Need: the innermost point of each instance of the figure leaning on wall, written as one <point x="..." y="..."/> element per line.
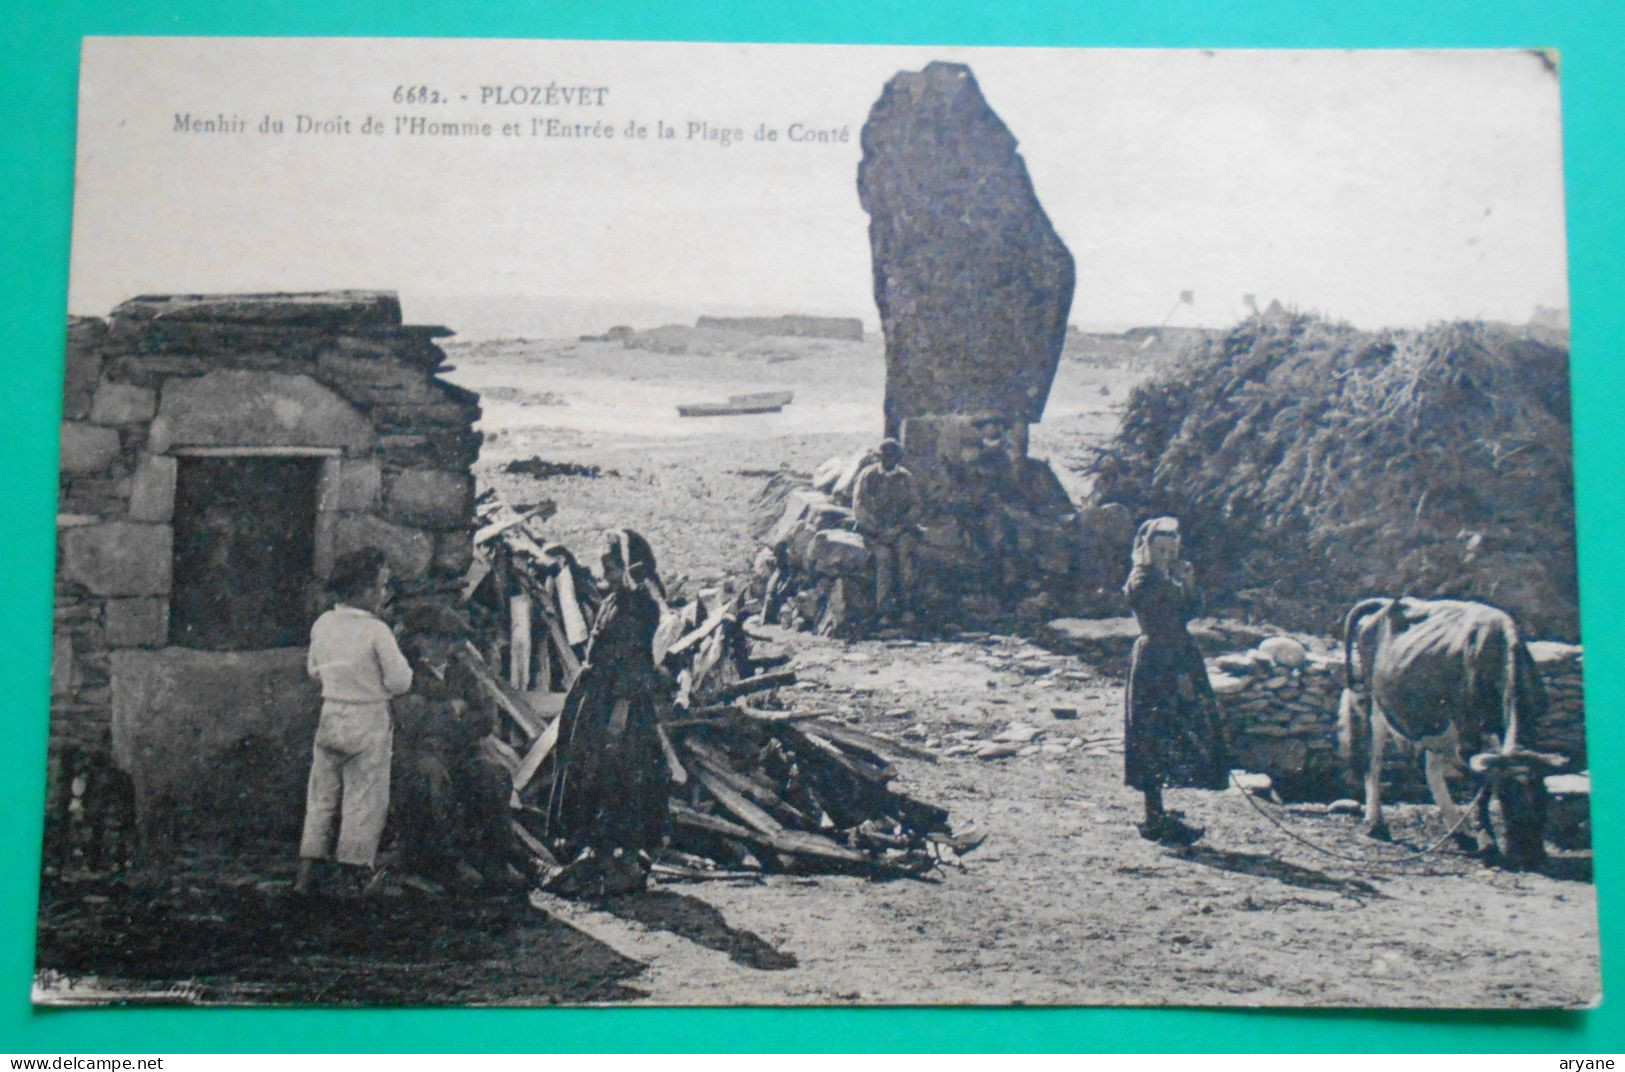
<point x="354" y="655"/>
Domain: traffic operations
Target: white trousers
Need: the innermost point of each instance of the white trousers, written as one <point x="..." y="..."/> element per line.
<point x="349" y="780"/>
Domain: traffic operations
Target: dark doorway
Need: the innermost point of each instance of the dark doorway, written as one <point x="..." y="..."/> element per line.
<point x="245" y="536"/>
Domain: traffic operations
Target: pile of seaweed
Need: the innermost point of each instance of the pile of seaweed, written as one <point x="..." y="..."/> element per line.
<point x="1313" y="464"/>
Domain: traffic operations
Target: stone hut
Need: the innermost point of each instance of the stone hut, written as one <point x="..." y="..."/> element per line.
<point x="218" y="452"/>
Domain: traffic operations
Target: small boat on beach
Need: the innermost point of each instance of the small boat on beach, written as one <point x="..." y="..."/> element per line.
<point x="760" y="402"/>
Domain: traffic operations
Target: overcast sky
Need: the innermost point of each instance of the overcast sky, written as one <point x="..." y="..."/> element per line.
<point x="1378" y="187"/>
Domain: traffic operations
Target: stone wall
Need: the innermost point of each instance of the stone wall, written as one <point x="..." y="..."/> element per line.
<point x="335" y="377"/>
<point x="1283" y="718"/>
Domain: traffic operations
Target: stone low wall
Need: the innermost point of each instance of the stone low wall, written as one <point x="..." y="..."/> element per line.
<point x="216" y="743"/>
<point x="1282" y="720"/>
<point x="1282" y="717"/>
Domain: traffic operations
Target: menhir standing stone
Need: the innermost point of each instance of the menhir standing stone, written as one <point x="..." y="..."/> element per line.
<point x="972" y="282"/>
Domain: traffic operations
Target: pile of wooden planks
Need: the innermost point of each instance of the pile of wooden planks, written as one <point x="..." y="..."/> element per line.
<point x="764" y="790"/>
<point x="537" y="601"/>
<point x="757" y="786"/>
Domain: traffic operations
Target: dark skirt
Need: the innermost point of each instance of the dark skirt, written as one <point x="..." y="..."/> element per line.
<point x="1172" y="733"/>
<point x="610" y="785"/>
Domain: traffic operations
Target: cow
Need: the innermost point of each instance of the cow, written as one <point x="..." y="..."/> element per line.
<point x="1440" y="675"/>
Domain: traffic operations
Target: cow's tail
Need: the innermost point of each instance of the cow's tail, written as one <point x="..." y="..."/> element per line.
<point x="1351" y="626"/>
<point x="1353" y="733"/>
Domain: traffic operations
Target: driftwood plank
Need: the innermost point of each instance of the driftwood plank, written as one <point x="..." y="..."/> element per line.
<point x="532" y="844"/>
<point x="674" y="765"/>
<point x="759" y="683"/>
<point x="529" y="547"/>
<point x="870" y="742"/>
<point x="787" y="842"/>
<point x="514" y="707"/>
<point x="674" y="873"/>
<point x="717" y="765"/>
<point x="478" y="568"/>
<point x="684" y="815"/>
<point x="536" y="755"/>
<point x="878" y="775"/>
<point x="694" y="636"/>
<point x="564" y="587"/>
<point x="755" y="787"/>
<point x="496" y="528"/>
<point x="744" y="810"/>
<point x="519" y="640"/>
<point x="772" y="833"/>
<point x="762" y="715"/>
<point x="501" y="751"/>
<point x="561" y="643"/>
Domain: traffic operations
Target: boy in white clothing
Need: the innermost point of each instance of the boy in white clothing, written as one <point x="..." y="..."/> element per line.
<point x="354" y="655"/>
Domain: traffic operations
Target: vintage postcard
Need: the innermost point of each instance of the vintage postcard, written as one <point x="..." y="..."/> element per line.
<point x="554" y="522"/>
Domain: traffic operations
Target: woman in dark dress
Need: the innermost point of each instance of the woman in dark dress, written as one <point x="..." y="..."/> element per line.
<point x="607" y="804"/>
<point x="1173" y="734"/>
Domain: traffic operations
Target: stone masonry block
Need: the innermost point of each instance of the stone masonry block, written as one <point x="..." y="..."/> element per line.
<point x="796" y="506"/>
<point x="233" y="407"/>
<point x="432" y="498"/>
<point x="63" y="676"/>
<point x="84" y="365"/>
<point x="87" y="448"/>
<point x="123" y="403"/>
<point x="453" y="553"/>
<point x="152" y="490"/>
<point x="356" y="488"/>
<point x="409" y="551"/>
<point x="834" y="552"/>
<point x="137" y="623"/>
<point x="120" y="558"/>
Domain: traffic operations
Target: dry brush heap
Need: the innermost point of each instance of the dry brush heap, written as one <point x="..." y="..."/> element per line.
<point x="1315" y="464"/>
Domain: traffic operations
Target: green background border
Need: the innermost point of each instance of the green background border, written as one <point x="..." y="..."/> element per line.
<point x="38" y="70"/>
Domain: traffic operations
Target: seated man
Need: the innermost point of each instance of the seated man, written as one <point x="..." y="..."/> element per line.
<point x="455" y="793"/>
<point x="987" y="501"/>
<point x="886" y="501"/>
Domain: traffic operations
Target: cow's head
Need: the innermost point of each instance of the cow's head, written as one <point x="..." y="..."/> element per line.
<point x="1518" y="777"/>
